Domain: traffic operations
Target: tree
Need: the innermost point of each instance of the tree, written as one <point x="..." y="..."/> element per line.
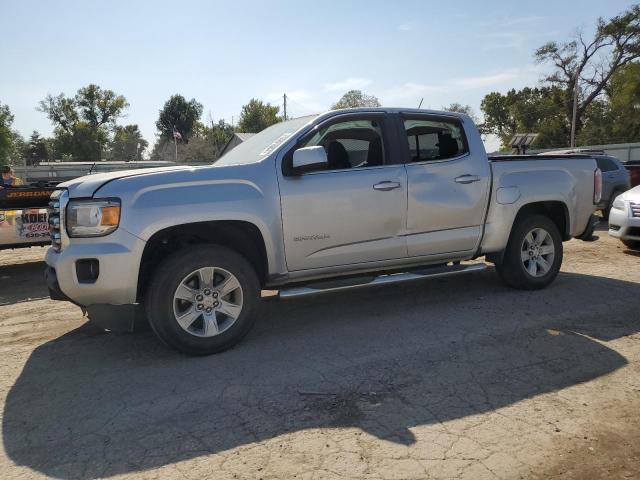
<point x="218" y="134"/>
<point x="591" y="63"/>
<point x="36" y="149"/>
<point x="624" y="100"/>
<point x="530" y="110"/>
<point x="256" y="116"/>
<point x="205" y="144"/>
<point x="180" y="114"/>
<point x="83" y="122"/>
<point x="6" y="135"/>
<point x="128" y="144"/>
<point x="354" y="99"/>
<point x="460" y="108"/>
<point x="616" y="117"/>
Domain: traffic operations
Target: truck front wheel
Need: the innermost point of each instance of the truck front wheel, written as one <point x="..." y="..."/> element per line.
<point x="203" y="299"/>
<point x="533" y="256"/>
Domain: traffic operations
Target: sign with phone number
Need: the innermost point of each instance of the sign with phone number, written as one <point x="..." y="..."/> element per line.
<point x="23" y="226"/>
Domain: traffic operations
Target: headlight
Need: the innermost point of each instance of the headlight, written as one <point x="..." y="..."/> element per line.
<point x="92" y="218"/>
<point x="618" y="204"/>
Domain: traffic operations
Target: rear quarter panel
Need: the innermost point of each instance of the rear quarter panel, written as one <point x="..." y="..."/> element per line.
<point x="519" y="183"/>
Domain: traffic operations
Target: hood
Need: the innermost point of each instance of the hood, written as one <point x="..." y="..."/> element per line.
<point x="632" y="195"/>
<point x="85" y="187"/>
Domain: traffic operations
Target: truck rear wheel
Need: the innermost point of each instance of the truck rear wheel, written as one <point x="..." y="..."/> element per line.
<point x="533" y="256"/>
<point x="203" y="299"/>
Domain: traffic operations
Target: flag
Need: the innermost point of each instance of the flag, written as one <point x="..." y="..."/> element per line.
<point x="176" y="134"/>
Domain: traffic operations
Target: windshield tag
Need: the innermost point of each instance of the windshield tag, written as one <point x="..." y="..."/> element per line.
<point x="278" y="141"/>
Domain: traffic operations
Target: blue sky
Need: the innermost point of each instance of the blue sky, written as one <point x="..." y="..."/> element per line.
<point x="224" y="53"/>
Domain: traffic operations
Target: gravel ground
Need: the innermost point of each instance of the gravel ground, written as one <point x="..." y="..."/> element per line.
<point x="448" y="378"/>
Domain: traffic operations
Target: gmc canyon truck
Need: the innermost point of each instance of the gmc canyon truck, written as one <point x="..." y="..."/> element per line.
<point x="317" y="204"/>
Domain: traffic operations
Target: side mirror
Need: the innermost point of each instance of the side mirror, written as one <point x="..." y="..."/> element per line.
<point x="309" y="159"/>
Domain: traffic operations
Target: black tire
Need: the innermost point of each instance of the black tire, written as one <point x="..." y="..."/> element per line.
<point x="631" y="244"/>
<point x="169" y="275"/>
<point x="512" y="270"/>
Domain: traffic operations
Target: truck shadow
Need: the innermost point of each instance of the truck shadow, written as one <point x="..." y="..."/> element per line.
<point x="381" y="360"/>
<point x="22" y="282"/>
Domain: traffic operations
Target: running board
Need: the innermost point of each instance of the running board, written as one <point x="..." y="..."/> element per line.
<point x="359" y="282"/>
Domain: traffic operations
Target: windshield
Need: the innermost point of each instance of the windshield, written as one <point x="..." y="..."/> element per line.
<point x="264" y="143"/>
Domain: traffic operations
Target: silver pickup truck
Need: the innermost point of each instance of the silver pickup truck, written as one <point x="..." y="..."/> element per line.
<point x="316" y="204"/>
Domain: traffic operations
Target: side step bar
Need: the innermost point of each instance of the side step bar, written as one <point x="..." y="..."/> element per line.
<point x="359" y="282"/>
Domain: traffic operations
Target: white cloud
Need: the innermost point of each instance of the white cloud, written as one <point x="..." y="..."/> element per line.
<point x="405" y="27"/>
<point x="509" y="22"/>
<point x="435" y="95"/>
<point x="409" y="90"/>
<point x="351" y="83"/>
<point x="502" y="40"/>
<point x="486" y="80"/>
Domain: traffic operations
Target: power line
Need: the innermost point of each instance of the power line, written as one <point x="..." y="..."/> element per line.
<point x="305" y="110"/>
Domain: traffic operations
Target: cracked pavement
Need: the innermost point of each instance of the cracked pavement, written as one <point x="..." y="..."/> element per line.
<point x="447" y="378"/>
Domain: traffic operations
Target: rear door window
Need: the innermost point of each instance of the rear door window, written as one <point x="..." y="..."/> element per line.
<point x="434" y="139"/>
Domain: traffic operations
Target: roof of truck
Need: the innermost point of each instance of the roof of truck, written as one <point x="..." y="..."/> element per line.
<point x="395" y="110"/>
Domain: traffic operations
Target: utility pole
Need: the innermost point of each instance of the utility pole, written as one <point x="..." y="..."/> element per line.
<point x="574" y="114"/>
<point x="285" y="106"/>
<point x="175" y="143"/>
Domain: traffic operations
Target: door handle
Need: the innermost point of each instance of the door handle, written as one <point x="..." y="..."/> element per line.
<point x="386" y="186"/>
<point x="467" y="179"/>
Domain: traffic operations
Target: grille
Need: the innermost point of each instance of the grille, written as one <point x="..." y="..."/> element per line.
<point x="635" y="209"/>
<point x="54" y="220"/>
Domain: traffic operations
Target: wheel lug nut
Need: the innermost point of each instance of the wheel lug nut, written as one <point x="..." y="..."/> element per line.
<point x="207" y="291"/>
<point x="199" y="306"/>
<point x="215" y="304"/>
<point x="208" y="310"/>
<point x="215" y="294"/>
<point x="199" y="298"/>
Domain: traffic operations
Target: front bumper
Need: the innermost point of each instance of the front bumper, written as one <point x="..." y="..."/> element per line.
<point x="51" y="279"/>
<point x="623" y="226"/>
<point x="119" y="256"/>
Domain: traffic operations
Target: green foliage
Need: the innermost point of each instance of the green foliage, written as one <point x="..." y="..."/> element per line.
<point x="615" y="118"/>
<point x="204" y="146"/>
<point x="128" y="144"/>
<point x="355" y="99"/>
<point x="83" y="123"/>
<point x="591" y="63"/>
<point x="36" y="149"/>
<point x="6" y="135"/>
<point x="257" y="115"/>
<point x="218" y="135"/>
<point x="530" y="110"/>
<point x="460" y="108"/>
<point x="179" y="113"/>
